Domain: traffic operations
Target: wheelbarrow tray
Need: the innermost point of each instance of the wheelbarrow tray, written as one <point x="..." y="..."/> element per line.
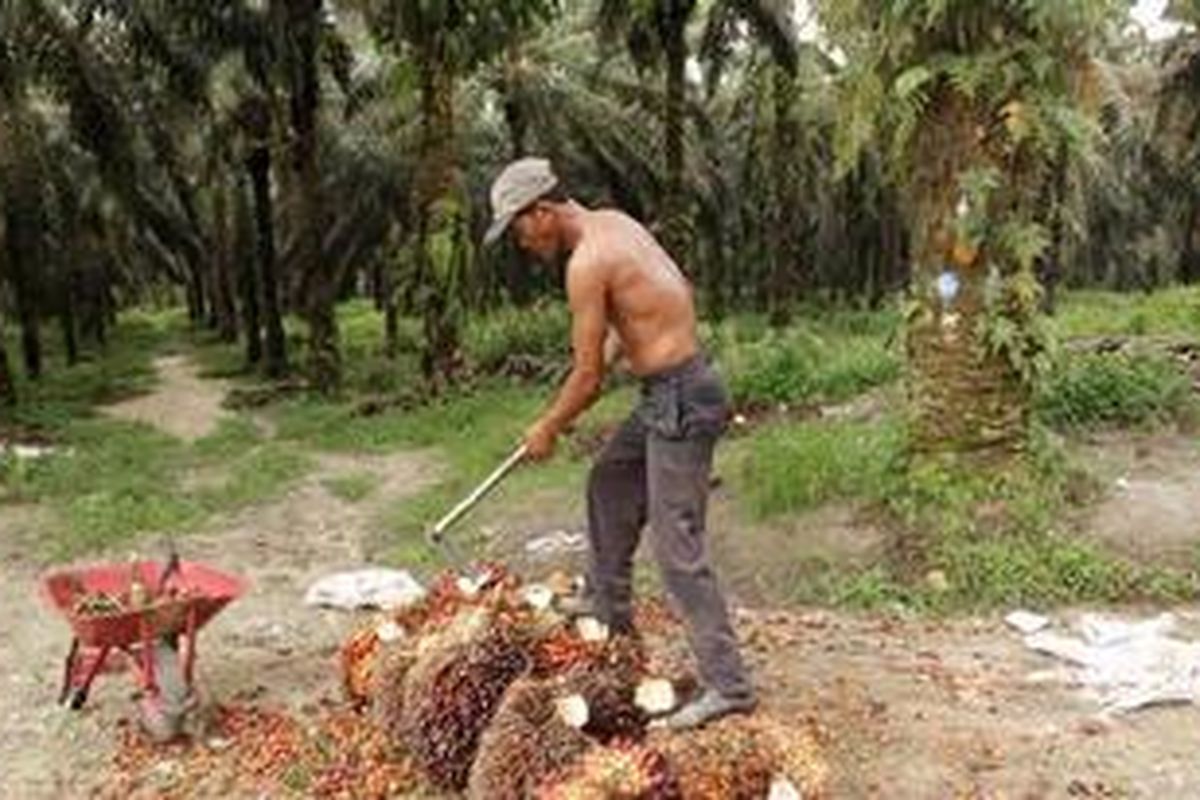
<point x="207" y="592"/>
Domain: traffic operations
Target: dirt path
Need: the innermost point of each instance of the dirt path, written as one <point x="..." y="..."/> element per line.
<point x="267" y="645"/>
<point x="916" y="709"/>
<point x="1152" y="486"/>
<point x="183" y="404"/>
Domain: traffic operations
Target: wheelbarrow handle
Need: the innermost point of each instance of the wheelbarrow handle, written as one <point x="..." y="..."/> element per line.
<point x="480" y="491"/>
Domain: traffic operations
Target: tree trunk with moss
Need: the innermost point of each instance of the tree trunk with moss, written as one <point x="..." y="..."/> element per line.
<point x="443" y="246"/>
<point x="965" y="402"/>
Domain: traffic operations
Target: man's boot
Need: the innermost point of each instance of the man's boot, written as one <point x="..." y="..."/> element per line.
<point x="708" y="707"/>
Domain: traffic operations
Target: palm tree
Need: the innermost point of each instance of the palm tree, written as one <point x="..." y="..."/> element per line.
<point x="655" y="33"/>
<point x="975" y="100"/>
<point x="1178" y="131"/>
<point x="21" y="171"/>
<point x="444" y="40"/>
<point x="301" y="25"/>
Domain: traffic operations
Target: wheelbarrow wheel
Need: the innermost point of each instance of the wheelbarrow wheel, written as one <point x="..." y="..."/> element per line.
<point x="162" y="712"/>
<point x="77" y="698"/>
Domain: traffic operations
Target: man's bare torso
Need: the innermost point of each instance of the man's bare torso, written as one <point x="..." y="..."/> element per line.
<point x="648" y="300"/>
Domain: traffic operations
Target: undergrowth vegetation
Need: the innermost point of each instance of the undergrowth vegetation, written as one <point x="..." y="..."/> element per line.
<point x="1101" y="389"/>
<point x="955" y="541"/>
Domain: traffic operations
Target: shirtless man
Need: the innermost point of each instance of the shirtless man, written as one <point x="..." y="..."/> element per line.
<point x="656" y="468"/>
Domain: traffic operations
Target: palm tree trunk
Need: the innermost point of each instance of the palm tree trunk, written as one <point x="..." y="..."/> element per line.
<point x="324" y="360"/>
<point x="1189" y="271"/>
<point x="66" y="313"/>
<point x="966" y="401"/>
<point x="785" y="229"/>
<point x="23" y="221"/>
<point x="247" y="272"/>
<point x="1050" y="265"/>
<point x="514" y="113"/>
<point x="195" y="294"/>
<point x="518" y="273"/>
<point x="8" y="389"/>
<point x="391" y="313"/>
<point x="436" y="211"/>
<point x="224" y="303"/>
<point x="259" y="165"/>
<point x="673" y="27"/>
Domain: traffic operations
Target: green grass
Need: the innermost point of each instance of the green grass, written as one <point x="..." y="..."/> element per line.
<point x="352" y="488"/>
<point x="960" y="542"/>
<point x="541" y="333"/>
<point x="786" y="469"/>
<point x="828" y="359"/>
<point x="1174" y="311"/>
<point x="473" y="435"/>
<point x="260" y="473"/>
<point x="115" y="481"/>
<point x="112" y="481"/>
<point x="1000" y="541"/>
<point x="123" y="369"/>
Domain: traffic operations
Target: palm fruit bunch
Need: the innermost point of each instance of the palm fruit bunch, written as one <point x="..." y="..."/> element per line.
<point x="739" y="758"/>
<point x="528" y="739"/>
<point x="586" y="643"/>
<point x="563" y="649"/>
<point x="801" y="759"/>
<point x="726" y="760"/>
<point x="415" y="664"/>
<point x="618" y="771"/>
<point x="606" y="691"/>
<point x="451" y="693"/>
<point x="364" y="651"/>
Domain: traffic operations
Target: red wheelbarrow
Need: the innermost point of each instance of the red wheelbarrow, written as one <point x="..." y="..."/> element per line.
<point x="148" y="612"/>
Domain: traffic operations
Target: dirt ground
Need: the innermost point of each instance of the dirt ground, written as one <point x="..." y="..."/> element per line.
<point x="909" y="708"/>
<point x="183" y="404"/>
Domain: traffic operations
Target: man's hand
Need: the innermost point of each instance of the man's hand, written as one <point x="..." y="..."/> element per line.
<point x="539" y="441"/>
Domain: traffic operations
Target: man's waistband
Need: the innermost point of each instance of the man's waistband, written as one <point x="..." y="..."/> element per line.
<point x="689" y="366"/>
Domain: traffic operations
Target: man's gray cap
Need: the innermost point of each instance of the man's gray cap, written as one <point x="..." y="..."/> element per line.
<point x="516" y="187"/>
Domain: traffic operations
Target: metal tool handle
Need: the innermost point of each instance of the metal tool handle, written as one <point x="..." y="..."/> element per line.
<point x="478" y="494"/>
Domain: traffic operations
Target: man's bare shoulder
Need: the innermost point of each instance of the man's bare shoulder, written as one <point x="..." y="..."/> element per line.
<point x="612" y="221"/>
<point x="602" y="246"/>
<point x="607" y="240"/>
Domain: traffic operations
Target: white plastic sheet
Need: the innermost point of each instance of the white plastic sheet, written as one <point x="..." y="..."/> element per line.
<point x="1126" y="665"/>
<point x="556" y="542"/>
<point x="366" y="588"/>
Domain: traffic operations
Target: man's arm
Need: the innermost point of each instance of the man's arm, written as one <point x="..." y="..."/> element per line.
<point x="587" y="295"/>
